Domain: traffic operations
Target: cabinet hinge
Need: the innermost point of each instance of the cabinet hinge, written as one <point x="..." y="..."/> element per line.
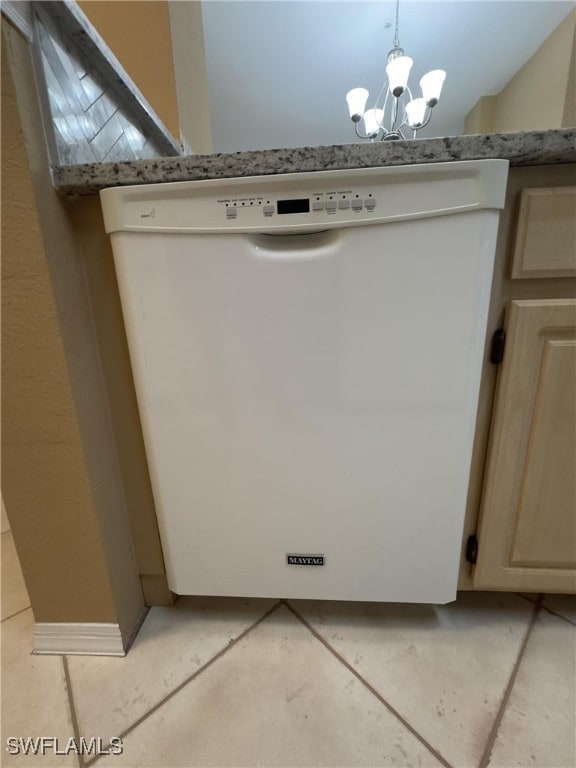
<point x="497" y="349"/>
<point x="472" y="549"/>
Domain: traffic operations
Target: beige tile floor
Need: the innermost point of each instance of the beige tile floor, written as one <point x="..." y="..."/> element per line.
<point x="486" y="681"/>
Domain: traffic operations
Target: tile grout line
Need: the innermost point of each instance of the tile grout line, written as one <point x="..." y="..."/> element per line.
<point x="370" y="687"/>
<point x="486" y="755"/>
<point x="28" y="607"/>
<point x="193" y="676"/>
<point x="529" y="599"/>
<point x="545" y="607"/>
<point x="72" y="706"/>
<point x="558" y="615"/>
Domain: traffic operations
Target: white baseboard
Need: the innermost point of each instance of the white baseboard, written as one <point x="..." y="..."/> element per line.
<point x="78" y="639"/>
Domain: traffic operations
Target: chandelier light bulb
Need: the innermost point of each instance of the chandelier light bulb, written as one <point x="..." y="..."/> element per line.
<point x="431" y="85"/>
<point x="357" y="99"/>
<point x="398" y="71"/>
<point x="415" y="111"/>
<point x="373" y="121"/>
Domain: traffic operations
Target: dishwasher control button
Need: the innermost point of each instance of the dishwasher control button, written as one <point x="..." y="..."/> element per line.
<point x="268" y="210"/>
<point x="370" y="204"/>
<point x="344" y="204"/>
<point x="318" y="206"/>
<point x="231" y="213"/>
<point x="357" y="205"/>
<point x="331" y="205"/>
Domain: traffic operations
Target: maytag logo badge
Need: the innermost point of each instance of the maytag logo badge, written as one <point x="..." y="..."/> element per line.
<point x="305" y="559"/>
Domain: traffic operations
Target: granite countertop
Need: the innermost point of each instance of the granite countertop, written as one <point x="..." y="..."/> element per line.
<point x="525" y="148"/>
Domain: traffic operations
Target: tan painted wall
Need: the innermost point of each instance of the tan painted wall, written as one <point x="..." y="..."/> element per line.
<point x="44" y="477"/>
<point x="138" y="33"/>
<point x="71" y="483"/>
<point x="569" y="116"/>
<point x="539" y="95"/>
<point x="5" y="521"/>
<point x="96" y="254"/>
<point x="480" y="119"/>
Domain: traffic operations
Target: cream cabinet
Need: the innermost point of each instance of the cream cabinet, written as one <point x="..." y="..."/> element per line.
<point x="520" y="531"/>
<point x="527" y="533"/>
<point x="545" y="242"/>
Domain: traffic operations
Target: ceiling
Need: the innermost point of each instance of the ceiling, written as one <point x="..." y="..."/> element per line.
<point x="278" y="70"/>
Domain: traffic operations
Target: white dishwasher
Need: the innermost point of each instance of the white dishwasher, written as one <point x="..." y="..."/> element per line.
<point x="306" y="350"/>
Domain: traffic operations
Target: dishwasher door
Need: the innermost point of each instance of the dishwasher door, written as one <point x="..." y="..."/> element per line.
<point x="308" y="403"/>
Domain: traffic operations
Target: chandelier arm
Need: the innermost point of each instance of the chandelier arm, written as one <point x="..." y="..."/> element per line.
<point x="428" y="118"/>
<point x="425" y="123"/>
<point x="380" y="123"/>
<point x="394" y="114"/>
<point x="405" y="120"/>
<point x="419" y="127"/>
<point x="384" y="109"/>
<point x="384" y="86"/>
<point x="386" y="99"/>
<point x="359" y="134"/>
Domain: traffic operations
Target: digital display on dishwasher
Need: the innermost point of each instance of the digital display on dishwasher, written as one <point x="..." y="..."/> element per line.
<point x="294" y="206"/>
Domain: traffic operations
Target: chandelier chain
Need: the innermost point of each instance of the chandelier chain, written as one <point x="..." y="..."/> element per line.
<point x="396" y="41"/>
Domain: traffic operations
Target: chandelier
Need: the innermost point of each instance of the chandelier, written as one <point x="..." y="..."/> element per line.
<point x="399" y="108"/>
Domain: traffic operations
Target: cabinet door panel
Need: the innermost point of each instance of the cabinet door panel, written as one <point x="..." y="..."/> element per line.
<point x="546" y="234"/>
<point x="549" y="478"/>
<point x="527" y="535"/>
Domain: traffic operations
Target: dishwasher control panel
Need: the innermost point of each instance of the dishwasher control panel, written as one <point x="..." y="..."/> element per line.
<point x="319" y="203"/>
<point x="304" y="202"/>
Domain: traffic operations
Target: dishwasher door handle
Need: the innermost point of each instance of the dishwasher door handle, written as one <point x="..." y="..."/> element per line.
<point x="296" y="247"/>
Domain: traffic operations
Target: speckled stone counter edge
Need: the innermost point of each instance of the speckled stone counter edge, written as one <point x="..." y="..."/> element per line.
<point x="526" y="148"/>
